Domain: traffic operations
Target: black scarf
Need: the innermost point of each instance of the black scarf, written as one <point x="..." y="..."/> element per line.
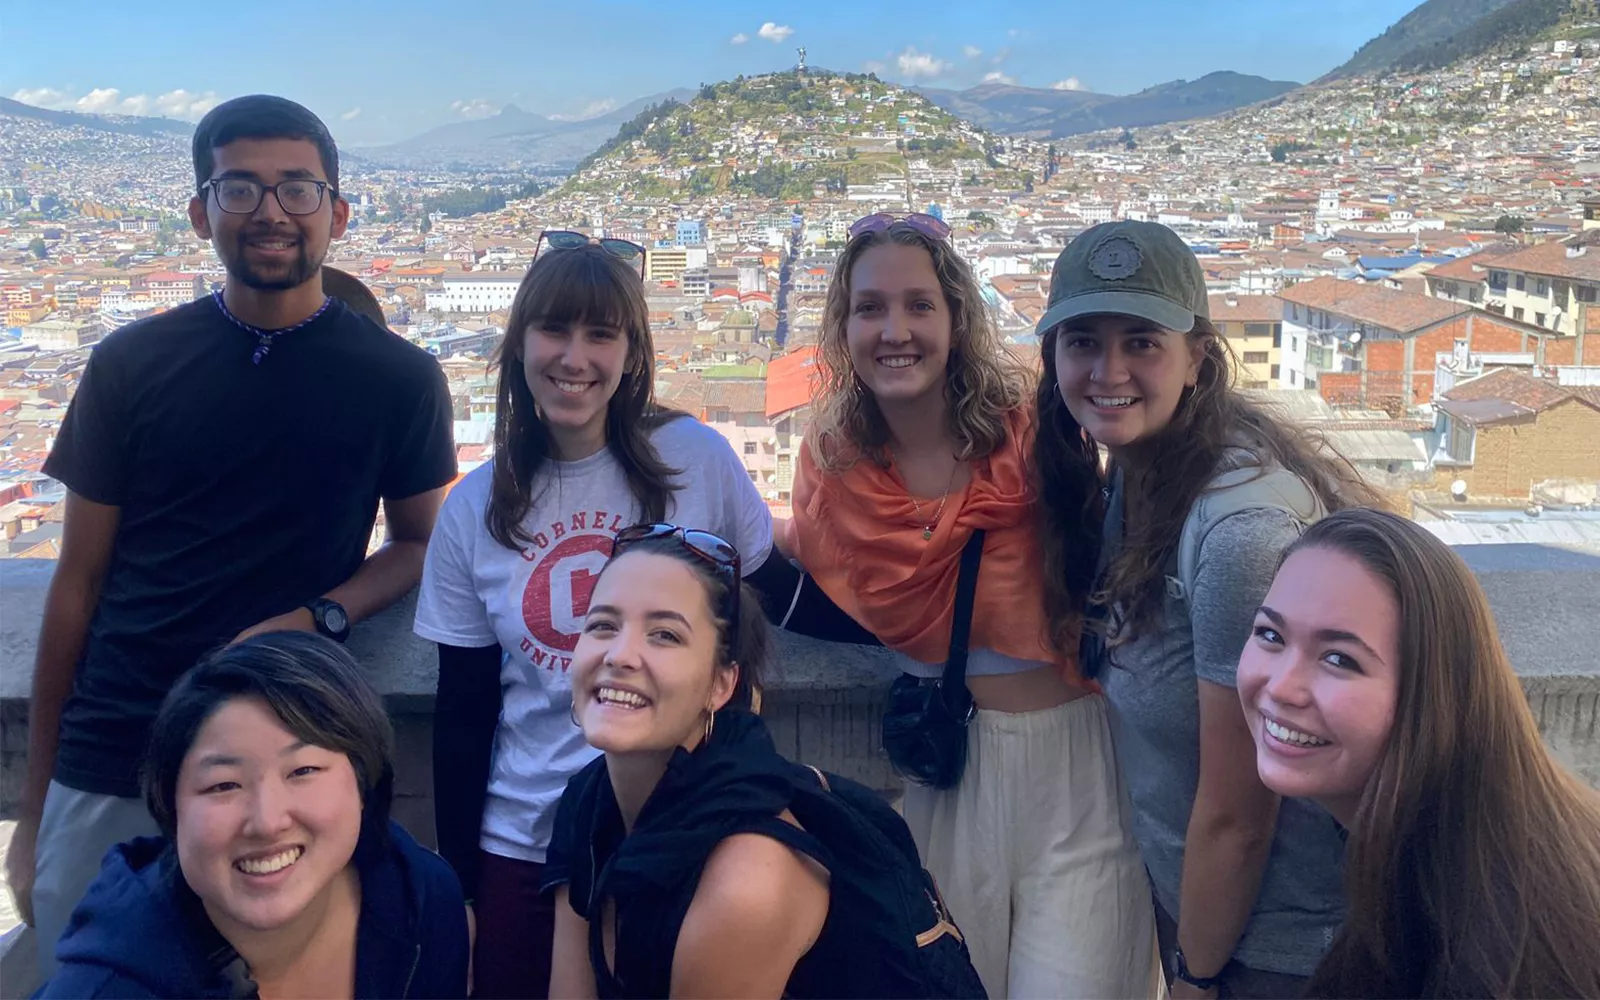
<point x="733" y="784"/>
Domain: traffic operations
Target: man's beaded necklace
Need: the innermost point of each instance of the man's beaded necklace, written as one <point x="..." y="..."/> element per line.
<point x="266" y="338"/>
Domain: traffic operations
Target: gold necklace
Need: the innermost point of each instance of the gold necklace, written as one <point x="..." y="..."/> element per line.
<point x="927" y="526"/>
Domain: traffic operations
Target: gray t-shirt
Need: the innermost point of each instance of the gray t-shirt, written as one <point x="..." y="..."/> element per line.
<point x="1150" y="684"/>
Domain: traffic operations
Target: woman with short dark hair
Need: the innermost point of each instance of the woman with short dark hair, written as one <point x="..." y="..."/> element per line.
<point x="278" y="872"/>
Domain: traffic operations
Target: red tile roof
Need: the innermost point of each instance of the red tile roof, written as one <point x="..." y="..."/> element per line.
<point x="1246" y="308"/>
<point x="1522" y="391"/>
<point x="1551" y="259"/>
<point x="1472" y="267"/>
<point x="1402" y="312"/>
<point x="791" y="381"/>
<point x="737" y="395"/>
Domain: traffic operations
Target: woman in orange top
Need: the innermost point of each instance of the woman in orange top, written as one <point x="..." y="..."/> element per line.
<point x="922" y="436"/>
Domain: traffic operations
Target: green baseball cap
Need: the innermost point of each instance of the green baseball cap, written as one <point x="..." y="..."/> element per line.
<point x="1128" y="269"/>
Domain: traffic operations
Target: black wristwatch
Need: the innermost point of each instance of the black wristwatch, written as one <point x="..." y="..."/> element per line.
<point x="1180" y="966"/>
<point x="330" y="618"/>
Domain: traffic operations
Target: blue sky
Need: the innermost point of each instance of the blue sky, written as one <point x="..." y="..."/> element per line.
<point x="383" y="71"/>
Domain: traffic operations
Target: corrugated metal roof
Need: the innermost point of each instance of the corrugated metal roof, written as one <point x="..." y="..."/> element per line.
<point x="1377" y="446"/>
<point x="1302" y="405"/>
<point x="1483" y="411"/>
<point x="1570" y="533"/>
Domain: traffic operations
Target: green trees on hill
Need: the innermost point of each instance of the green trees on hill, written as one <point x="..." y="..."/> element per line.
<point x="1281" y="150"/>
<point x="464" y="202"/>
<point x="775" y="180"/>
<point x="632" y="129"/>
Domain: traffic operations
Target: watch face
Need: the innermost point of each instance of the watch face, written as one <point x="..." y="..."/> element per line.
<point x="334" y="619"/>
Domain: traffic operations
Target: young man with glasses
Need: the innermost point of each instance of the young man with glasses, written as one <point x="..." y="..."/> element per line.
<point x="224" y="464"/>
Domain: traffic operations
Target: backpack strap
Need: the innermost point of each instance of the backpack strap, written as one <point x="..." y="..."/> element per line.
<point x="1236" y="489"/>
<point x="792" y="837"/>
<point x="955" y="666"/>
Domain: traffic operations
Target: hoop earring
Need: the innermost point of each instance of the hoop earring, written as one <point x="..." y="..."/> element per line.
<point x="572" y="713"/>
<point x="711" y="724"/>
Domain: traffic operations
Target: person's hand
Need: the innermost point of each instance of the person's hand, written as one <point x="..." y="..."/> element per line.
<point x="19" y="866"/>
<point x="298" y="620"/>
<point x="472" y="944"/>
<point x="1181" y="990"/>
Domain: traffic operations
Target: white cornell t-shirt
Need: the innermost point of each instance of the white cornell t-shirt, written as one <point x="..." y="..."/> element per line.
<point x="476" y="592"/>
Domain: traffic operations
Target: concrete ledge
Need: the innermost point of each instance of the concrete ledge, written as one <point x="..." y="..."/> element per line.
<point x="824" y="700"/>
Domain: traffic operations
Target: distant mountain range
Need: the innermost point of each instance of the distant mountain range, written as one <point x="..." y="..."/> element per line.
<point x="1442" y="32"/>
<point x="1436" y="34"/>
<point x="514" y="137"/>
<point x="122" y="124"/>
<point x="1056" y="114"/>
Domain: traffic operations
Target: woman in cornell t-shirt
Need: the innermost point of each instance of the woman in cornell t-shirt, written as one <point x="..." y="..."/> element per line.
<point x="581" y="451"/>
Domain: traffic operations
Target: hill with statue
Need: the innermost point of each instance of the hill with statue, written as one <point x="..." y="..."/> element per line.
<point x="792" y="135"/>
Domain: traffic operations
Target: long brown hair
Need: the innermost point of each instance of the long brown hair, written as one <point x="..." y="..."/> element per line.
<point x="983" y="382"/>
<point x="1473" y="868"/>
<point x="1179" y="461"/>
<point x="582" y="285"/>
<point x="751" y="647"/>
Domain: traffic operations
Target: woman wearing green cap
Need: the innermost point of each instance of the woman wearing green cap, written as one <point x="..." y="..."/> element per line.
<point x="1160" y="559"/>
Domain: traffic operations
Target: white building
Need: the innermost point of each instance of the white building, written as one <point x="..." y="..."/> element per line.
<point x="63" y="334"/>
<point x="474" y="293"/>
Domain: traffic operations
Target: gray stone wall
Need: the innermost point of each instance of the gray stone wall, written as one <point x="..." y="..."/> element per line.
<point x="823" y="700"/>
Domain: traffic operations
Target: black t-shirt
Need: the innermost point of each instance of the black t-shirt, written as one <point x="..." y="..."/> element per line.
<point x="245" y="490"/>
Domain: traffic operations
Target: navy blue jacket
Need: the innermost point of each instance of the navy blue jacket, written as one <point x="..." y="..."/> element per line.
<point x="140" y="931"/>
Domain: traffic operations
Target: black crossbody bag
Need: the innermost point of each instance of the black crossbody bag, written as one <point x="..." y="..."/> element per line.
<point x="925" y="725"/>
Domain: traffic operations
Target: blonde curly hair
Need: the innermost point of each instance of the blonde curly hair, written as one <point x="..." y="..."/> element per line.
<point x="983" y="382"/>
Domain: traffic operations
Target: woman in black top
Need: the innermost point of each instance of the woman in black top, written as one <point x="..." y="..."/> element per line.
<point x="667" y="644"/>
<point x="693" y="860"/>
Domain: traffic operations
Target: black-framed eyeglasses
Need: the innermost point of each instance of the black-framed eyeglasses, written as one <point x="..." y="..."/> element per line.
<point x="242" y="196"/>
<point x="714" y="549"/>
<point x="566" y="239"/>
<point x="930" y="226"/>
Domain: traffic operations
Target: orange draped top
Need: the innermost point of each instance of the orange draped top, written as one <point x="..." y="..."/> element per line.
<point x="857" y="533"/>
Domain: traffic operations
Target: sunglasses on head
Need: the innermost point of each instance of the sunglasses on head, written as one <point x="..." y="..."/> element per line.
<point x="566" y="239"/>
<point x="931" y="227"/>
<point x="714" y="549"/>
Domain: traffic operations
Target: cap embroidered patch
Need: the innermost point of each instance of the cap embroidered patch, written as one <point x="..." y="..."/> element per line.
<point x="1115" y="258"/>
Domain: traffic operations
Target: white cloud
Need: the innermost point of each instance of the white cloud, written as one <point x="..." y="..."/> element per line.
<point x="43" y="97"/>
<point x="775" y="33"/>
<point x="971" y="51"/>
<point x="1013" y="32"/>
<point x="739" y="39"/>
<point x="920" y="65"/>
<point x="183" y="104"/>
<point x="475" y="108"/>
<point x="875" y="66"/>
<point x="351" y="115"/>
<point x="592" y="110"/>
<point x="186" y="104"/>
<point x="998" y="77"/>
<point x="109" y="100"/>
<point x="1070" y="83"/>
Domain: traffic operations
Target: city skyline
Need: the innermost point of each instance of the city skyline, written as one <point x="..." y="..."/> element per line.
<point x="388" y="77"/>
